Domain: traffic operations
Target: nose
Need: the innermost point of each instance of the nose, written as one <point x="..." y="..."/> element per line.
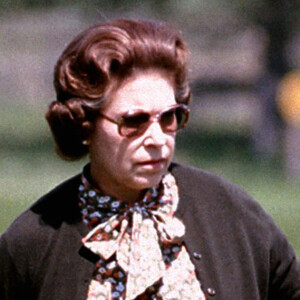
<point x="154" y="136"/>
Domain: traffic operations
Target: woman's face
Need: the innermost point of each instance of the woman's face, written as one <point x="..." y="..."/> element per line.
<point x="125" y="166"/>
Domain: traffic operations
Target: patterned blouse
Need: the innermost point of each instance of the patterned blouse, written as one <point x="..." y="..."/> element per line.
<point x="140" y="248"/>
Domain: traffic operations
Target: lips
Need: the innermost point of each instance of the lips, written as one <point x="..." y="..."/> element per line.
<point x="153" y="163"/>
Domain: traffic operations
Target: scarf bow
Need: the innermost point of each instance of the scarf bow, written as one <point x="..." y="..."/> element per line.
<point x="134" y="234"/>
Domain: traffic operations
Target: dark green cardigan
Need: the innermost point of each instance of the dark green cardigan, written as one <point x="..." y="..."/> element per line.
<point x="238" y="251"/>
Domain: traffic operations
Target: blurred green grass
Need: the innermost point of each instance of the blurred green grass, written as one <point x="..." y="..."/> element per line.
<point x="29" y="167"/>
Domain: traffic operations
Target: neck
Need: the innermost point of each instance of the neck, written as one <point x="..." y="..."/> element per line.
<point x="116" y="190"/>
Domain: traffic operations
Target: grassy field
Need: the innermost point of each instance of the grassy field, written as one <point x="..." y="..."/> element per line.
<point x="29" y="168"/>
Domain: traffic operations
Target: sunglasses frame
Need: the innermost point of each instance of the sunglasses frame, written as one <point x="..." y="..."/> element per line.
<point x="156" y="117"/>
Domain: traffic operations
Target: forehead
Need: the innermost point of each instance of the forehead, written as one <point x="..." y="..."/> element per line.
<point x="149" y="91"/>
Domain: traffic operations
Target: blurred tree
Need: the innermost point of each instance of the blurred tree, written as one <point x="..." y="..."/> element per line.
<point x="277" y="18"/>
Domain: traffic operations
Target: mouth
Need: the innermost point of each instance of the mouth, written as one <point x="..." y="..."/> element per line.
<point x="153" y="163"/>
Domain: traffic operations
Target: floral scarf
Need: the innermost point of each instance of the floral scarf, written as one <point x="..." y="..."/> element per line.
<point x="140" y="248"/>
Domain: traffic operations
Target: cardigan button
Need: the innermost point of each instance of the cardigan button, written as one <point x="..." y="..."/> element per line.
<point x="211" y="292"/>
<point x="197" y="255"/>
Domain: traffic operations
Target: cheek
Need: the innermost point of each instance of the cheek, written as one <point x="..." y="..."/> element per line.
<point x="171" y="141"/>
<point x="102" y="144"/>
<point x="116" y="151"/>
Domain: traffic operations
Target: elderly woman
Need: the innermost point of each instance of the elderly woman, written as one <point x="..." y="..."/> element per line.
<point x="133" y="224"/>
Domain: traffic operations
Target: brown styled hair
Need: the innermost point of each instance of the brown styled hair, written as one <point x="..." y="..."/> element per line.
<point x="96" y="62"/>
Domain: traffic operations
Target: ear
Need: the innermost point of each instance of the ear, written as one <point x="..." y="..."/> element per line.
<point x="86" y="128"/>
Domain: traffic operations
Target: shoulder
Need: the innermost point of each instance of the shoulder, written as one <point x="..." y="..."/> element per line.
<point x="40" y="221"/>
<point x="214" y="202"/>
<point x="213" y="198"/>
<point x="40" y="235"/>
<point x="195" y="183"/>
<point x="60" y="204"/>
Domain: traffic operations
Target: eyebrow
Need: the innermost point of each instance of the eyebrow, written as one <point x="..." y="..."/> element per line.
<point x="147" y="111"/>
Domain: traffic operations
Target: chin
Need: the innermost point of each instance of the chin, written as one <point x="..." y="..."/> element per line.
<point x="145" y="182"/>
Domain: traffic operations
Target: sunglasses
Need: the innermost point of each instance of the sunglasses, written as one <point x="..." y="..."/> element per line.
<point x="135" y="123"/>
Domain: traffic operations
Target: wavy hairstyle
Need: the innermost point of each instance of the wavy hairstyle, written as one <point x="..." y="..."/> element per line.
<point x="96" y="62"/>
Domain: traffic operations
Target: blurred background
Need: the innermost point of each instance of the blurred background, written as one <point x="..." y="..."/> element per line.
<point x="244" y="72"/>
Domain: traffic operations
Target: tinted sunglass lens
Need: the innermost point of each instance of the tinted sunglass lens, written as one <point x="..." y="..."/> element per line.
<point x="174" y="119"/>
<point x="168" y="120"/>
<point x="181" y="117"/>
<point x="133" y="125"/>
